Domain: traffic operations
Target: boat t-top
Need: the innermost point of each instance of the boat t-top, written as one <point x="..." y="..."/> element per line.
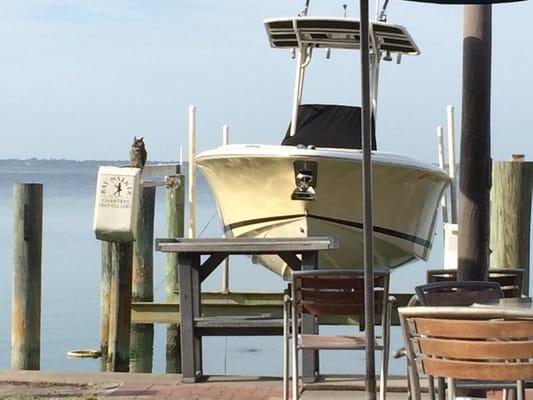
<point x="311" y="184"/>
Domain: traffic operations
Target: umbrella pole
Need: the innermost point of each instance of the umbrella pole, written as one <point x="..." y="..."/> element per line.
<point x="476" y="164"/>
<point x="370" y="387"/>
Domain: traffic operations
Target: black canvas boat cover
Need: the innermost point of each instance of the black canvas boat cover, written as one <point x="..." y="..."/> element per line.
<point x="325" y="125"/>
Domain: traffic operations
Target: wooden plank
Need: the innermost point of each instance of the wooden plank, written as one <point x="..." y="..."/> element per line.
<point x="345" y="282"/>
<point x="331" y="297"/>
<point x="494" y="371"/>
<point x="475" y="350"/>
<point x="214" y="304"/>
<point x="240" y="331"/>
<point x="333" y="309"/>
<point x="291" y="259"/>
<point x="188" y="366"/>
<point x="197" y="312"/>
<point x="246" y="245"/>
<point x="239" y="326"/>
<point x="333" y="342"/>
<point x="153" y="170"/>
<point x="467" y="329"/>
<point x="209" y="265"/>
<point x="310" y="358"/>
<point x="238" y="322"/>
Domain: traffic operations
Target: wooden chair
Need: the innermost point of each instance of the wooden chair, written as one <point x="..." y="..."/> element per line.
<point x="467" y="343"/>
<point x="324" y="293"/>
<point x="457" y="293"/>
<point x="509" y="279"/>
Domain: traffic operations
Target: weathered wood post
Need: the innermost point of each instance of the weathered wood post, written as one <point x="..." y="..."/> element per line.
<point x="142" y="335"/>
<point x="105" y="291"/>
<point x="26" y="308"/>
<point x="120" y="307"/>
<point x="511" y="215"/>
<point x="175" y="198"/>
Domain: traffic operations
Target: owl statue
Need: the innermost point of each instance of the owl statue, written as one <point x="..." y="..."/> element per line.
<point x="137" y="153"/>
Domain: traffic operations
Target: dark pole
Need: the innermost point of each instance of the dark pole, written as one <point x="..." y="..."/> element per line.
<point x="370" y="390"/>
<point x="475" y="173"/>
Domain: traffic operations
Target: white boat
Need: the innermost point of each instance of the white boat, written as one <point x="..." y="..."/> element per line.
<point x="311" y="185"/>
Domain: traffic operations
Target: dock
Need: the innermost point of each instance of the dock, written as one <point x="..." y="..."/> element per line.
<point x="117" y="385"/>
<point x="128" y="386"/>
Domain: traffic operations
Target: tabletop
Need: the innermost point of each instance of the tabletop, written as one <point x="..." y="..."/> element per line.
<point x="246" y="245"/>
<point x="508" y="307"/>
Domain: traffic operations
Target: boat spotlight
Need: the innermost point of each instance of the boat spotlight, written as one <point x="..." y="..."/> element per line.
<point x="305" y="173"/>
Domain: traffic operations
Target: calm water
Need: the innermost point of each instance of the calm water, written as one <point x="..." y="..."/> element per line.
<point x="71" y="277"/>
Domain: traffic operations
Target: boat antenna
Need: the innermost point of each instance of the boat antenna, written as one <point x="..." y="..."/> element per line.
<point x="382" y="17"/>
<point x="305" y="10"/>
<point x="345" y="6"/>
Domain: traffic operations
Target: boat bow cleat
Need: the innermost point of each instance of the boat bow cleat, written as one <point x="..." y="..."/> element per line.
<point x="305" y="176"/>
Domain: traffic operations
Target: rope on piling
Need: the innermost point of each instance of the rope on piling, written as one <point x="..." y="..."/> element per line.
<point x="84" y="353"/>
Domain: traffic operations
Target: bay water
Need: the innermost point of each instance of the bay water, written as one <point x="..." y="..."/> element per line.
<point x="71" y="277"/>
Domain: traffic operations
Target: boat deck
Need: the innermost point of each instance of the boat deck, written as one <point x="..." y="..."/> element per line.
<point x="93" y="385"/>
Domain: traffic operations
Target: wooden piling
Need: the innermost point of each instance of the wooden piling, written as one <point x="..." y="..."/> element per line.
<point x="511" y="215"/>
<point x="120" y="307"/>
<point x="26" y="307"/>
<point x="105" y="289"/>
<point x="142" y="335"/>
<point x="175" y="199"/>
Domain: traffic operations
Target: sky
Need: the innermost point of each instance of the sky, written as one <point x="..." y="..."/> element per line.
<point x="80" y="78"/>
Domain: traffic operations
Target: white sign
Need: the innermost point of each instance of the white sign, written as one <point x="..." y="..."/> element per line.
<point x="116" y="204"/>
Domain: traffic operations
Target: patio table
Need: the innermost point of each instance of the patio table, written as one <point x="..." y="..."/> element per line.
<point x="192" y="271"/>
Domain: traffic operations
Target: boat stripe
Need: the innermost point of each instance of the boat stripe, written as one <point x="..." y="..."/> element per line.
<point x="378" y="229"/>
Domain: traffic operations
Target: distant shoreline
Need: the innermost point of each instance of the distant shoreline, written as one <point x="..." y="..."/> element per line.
<point x="16" y="162"/>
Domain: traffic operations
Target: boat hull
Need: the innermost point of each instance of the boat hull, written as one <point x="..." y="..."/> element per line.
<point x="252" y="186"/>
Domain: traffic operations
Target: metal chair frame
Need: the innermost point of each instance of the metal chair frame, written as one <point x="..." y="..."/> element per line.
<point x="467" y="343"/>
<point x="332" y="292"/>
<point x="458" y="293"/>
<point x="511" y="280"/>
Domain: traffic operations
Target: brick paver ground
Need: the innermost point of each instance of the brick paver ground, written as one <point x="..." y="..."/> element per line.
<point x="27" y="385"/>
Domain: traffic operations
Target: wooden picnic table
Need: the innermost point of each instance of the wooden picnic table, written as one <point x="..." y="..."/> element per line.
<point x="192" y="271"/>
